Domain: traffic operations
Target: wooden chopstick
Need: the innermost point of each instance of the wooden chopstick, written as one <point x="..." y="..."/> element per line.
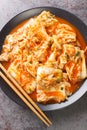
<point x="24" y="93"/>
<point x="31" y="104"/>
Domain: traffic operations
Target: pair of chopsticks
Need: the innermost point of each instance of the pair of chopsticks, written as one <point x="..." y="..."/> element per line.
<point x="23" y="95"/>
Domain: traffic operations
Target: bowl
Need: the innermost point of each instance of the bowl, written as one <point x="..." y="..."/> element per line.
<point x="26" y="15"/>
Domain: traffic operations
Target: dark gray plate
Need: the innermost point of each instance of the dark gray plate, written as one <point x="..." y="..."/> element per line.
<point x="30" y="13"/>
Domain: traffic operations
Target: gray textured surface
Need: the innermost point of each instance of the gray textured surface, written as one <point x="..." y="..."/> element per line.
<point x="14" y="117"/>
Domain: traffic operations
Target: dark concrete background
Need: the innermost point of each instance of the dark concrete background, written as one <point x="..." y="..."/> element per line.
<point x="13" y="116"/>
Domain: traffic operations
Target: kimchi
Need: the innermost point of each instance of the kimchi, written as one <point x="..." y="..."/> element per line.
<point x="46" y="58"/>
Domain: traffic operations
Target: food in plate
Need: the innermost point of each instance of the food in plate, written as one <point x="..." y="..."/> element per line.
<point x="46" y="57"/>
